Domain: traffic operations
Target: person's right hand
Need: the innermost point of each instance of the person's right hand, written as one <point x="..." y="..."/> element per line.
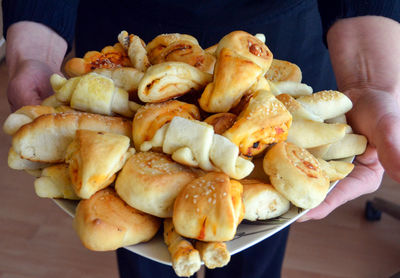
<point x="29" y="84"/>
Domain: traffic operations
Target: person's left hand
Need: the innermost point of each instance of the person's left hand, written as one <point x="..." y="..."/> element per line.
<point x="375" y="114"/>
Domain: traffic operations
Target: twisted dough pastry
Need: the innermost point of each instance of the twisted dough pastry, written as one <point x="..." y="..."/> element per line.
<point x="136" y="50"/>
<point x="194" y="143"/>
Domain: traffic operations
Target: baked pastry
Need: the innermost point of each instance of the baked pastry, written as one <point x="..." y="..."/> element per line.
<point x="213" y="254"/>
<point x="46" y="138"/>
<point x="94" y="157"/>
<point x="291" y="88"/>
<point x="151" y="181"/>
<point x="105" y="222"/>
<point x="194" y="143"/>
<point x="335" y="170"/>
<point x="185" y="259"/>
<point x="296" y="109"/>
<point x="221" y="121"/>
<point x="180" y="48"/>
<point x="54" y="182"/>
<point x="16" y="162"/>
<point x="296" y="174"/>
<point x="169" y="80"/>
<point x="109" y="57"/>
<point x="209" y="208"/>
<point x="136" y="49"/>
<point x="264" y="121"/>
<point x="92" y="93"/>
<point x="283" y="71"/>
<point x="151" y="117"/>
<point x="52" y="101"/>
<point x="233" y="76"/>
<point x="350" y="145"/>
<point x="262" y="201"/>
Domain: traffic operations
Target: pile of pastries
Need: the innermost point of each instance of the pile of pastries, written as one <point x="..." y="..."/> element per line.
<point x="167" y="133"/>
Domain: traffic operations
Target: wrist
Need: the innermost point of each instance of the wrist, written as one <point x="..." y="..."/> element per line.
<point x="33" y="41"/>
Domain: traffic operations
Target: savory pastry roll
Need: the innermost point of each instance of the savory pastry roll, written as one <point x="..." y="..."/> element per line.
<point x="296" y="109"/>
<point x="335" y="170"/>
<point x="105" y="222"/>
<point x="350" y="145"/>
<point x="291" y="88"/>
<point x="209" y="208"/>
<point x="169" y="80"/>
<point x="136" y="49"/>
<point x="54" y="182"/>
<point x="151" y="181"/>
<point x="185" y="259"/>
<point x="221" y="121"/>
<point x="94" y="157"/>
<point x="52" y="101"/>
<point x="92" y="93"/>
<point x="296" y="174"/>
<point x="27" y="114"/>
<point x="262" y="201"/>
<point x="213" y="254"/>
<point x="151" y="117"/>
<point x="109" y="57"/>
<point x="46" y="138"/>
<point x="264" y="121"/>
<point x="326" y="104"/>
<point x="283" y="71"/>
<point x="16" y="162"/>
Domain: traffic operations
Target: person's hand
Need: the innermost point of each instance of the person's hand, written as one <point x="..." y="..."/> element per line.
<point x="375" y="114"/>
<point x="30" y="84"/>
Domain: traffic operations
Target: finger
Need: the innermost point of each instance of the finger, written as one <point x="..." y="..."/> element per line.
<point x="365" y="178"/>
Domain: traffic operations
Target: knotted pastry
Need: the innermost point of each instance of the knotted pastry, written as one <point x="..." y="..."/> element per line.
<point x="209" y="208"/>
<point x="136" y="49"/>
<point x="92" y="93"/>
<point x="194" y="143"/>
<point x="169" y="80"/>
<point x="54" y="182"/>
<point x="262" y="201"/>
<point x="109" y="57"/>
<point x="151" y="181"/>
<point x="151" y="117"/>
<point x="296" y="109"/>
<point x="48" y="136"/>
<point x="105" y="222"/>
<point x="180" y="48"/>
<point x="27" y="114"/>
<point x="221" y="122"/>
<point x="296" y="174"/>
<point x="94" y="157"/>
<point x="213" y="254"/>
<point x="185" y="259"/>
<point x="264" y="121"/>
<point x="283" y="71"/>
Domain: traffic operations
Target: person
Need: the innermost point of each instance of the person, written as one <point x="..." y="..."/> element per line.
<point x="355" y="41"/>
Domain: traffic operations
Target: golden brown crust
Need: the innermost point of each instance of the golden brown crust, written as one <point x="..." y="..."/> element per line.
<point x="213" y="254"/>
<point x="105" y="222"/>
<point x="221" y="121"/>
<point x="283" y="71"/>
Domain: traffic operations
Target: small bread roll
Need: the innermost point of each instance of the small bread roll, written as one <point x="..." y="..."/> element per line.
<point x="185" y="259"/>
<point x="296" y="174"/>
<point x="105" y="222"/>
<point x="262" y="201"/>
<point x="283" y="71"/>
<point x="209" y="208"/>
<point x="350" y="145"/>
<point x="46" y="138"/>
<point x="151" y="181"/>
<point x="54" y="182"/>
<point x="213" y="254"/>
<point x="94" y="157"/>
<point x="136" y="49"/>
<point x="335" y="170"/>
<point x="16" y="162"/>
<point x="221" y="121"/>
<point x="169" y="80"/>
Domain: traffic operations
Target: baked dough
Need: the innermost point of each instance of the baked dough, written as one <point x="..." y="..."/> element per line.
<point x="296" y="174"/>
<point x="151" y="181"/>
<point x="105" y="222"/>
<point x="136" y="49"/>
<point x="350" y="145"/>
<point x="221" y="122"/>
<point x="169" y="80"/>
<point x="48" y="136"/>
<point x="283" y="71"/>
<point x="213" y="254"/>
<point x="209" y="208"/>
<point x="16" y="162"/>
<point x="94" y="157"/>
<point x="335" y="170"/>
<point x="296" y="109"/>
<point x="291" y="88"/>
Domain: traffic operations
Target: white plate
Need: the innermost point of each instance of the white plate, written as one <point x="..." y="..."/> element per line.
<point x="247" y="235"/>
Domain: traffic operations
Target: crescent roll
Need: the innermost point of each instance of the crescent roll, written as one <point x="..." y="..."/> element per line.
<point x="109" y="57"/>
<point x="296" y="174"/>
<point x="185" y="258"/>
<point x="264" y="121"/>
<point x="291" y="88"/>
<point x="94" y="157"/>
<point x="136" y="49"/>
<point x="105" y="222"/>
<point x="335" y="170"/>
<point x="151" y="117"/>
<point x="46" y="138"/>
<point x="209" y="208"/>
<point x="283" y="71"/>
<point x="16" y="162"/>
<point x="92" y="93"/>
<point x="169" y="80"/>
<point x="296" y="109"/>
<point x="151" y="181"/>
